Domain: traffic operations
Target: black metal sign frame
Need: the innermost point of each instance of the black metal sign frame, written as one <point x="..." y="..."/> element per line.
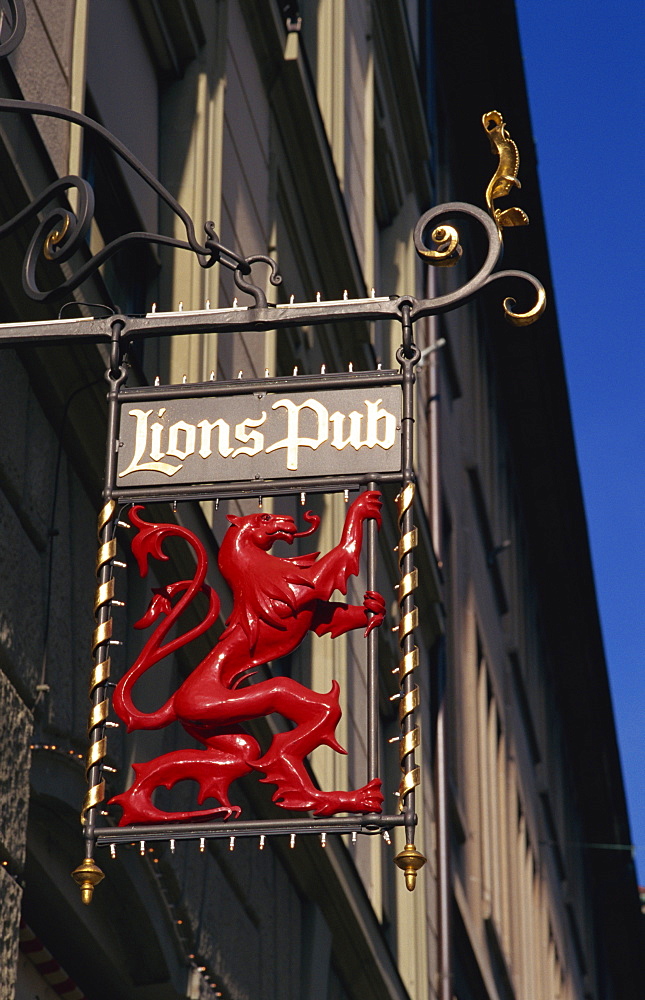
<point x="115" y="496"/>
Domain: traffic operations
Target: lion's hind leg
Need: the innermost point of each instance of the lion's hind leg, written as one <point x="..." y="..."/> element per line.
<point x="213" y="770"/>
<point x="295" y="790"/>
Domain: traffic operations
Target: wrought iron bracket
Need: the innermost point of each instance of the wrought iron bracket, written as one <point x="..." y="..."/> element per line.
<point x="61" y="232"/>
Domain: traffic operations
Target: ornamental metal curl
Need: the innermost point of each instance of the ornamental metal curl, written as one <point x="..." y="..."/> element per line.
<point x="62" y="232"/>
<point x="18" y="24"/>
<point x="448" y="252"/>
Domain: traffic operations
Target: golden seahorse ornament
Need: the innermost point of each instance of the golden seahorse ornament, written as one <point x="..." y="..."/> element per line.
<point x="505" y="177"/>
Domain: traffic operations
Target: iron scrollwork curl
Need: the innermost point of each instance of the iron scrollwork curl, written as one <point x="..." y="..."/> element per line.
<point x="62" y="232"/>
<point x="447" y="251"/>
<point x="530" y="316"/>
<point x="18" y="21"/>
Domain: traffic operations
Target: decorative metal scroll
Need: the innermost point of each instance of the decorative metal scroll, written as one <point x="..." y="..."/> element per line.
<point x="62" y="232"/>
<point x="154" y="435"/>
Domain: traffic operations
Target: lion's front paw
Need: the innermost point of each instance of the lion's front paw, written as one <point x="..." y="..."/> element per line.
<point x="368" y="506"/>
<point x="375" y="604"/>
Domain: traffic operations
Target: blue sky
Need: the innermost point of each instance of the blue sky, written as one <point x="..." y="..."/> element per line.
<point x="584" y="69"/>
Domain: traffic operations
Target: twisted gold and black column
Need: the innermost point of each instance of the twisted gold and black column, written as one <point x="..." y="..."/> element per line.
<point x="88" y="875"/>
<point x="409" y="860"/>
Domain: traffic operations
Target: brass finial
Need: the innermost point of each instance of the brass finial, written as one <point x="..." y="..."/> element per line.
<point x="87" y="876"/>
<point x="505" y="177"/>
<point x="409" y="860"/>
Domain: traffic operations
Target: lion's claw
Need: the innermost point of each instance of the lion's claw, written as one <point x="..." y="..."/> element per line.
<point x="375" y="604"/>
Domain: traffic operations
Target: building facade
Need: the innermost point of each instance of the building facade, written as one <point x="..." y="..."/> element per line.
<point x="317" y="133"/>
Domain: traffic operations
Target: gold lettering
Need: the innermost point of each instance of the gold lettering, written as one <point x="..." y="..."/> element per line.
<point x="140" y="441"/>
<point x="189" y="439"/>
<point x="338" y="423"/>
<point x="293" y="441"/>
<point x="156" y="452"/>
<point x="374" y="416"/>
<point x="241" y="434"/>
<point x="223" y="446"/>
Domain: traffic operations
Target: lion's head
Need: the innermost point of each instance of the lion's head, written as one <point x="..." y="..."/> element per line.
<point x="263" y="530"/>
<point x="263" y="586"/>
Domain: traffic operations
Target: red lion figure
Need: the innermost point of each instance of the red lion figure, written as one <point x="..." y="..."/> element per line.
<point x="276" y="602"/>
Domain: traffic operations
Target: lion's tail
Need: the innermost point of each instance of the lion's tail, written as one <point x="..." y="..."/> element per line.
<point x="127" y="710"/>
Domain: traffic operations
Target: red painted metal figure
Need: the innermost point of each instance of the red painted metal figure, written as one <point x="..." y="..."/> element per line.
<point x="276" y="602"/>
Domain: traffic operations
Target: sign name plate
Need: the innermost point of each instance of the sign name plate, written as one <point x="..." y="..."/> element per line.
<point x="267" y="435"/>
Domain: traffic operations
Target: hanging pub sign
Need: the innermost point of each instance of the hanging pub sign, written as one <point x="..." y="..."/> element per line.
<point x="349" y="432"/>
<point x="251" y="438"/>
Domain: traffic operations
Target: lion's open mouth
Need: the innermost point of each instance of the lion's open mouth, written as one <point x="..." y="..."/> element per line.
<point x="284" y="532"/>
